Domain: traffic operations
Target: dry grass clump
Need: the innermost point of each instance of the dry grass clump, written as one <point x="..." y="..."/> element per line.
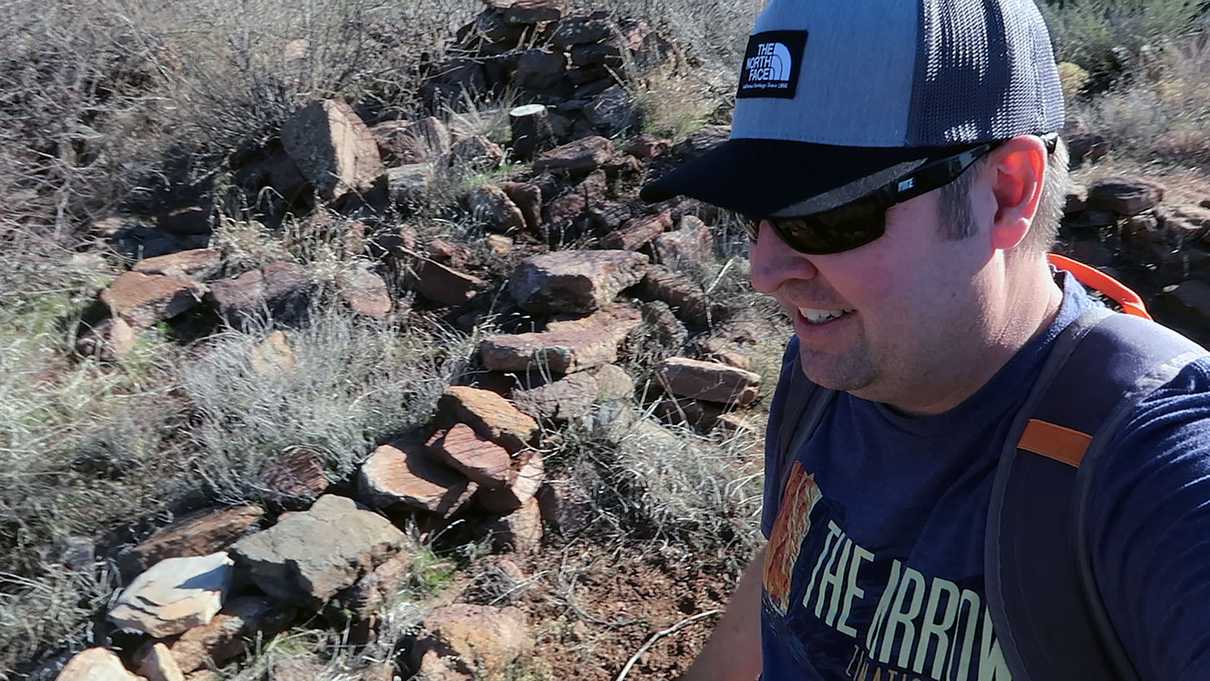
<point x="669" y="485"/>
<point x="353" y="383"/>
<point x="1163" y="113"/>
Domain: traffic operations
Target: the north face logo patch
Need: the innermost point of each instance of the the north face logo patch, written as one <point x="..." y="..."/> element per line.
<point x="771" y="64"/>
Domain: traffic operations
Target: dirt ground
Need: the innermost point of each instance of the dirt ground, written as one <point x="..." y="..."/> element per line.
<point x="593" y="610"/>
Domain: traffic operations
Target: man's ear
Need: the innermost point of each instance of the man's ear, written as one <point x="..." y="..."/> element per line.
<point x="1018" y="174"/>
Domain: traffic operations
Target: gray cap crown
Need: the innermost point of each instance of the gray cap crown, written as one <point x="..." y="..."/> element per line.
<point x="896" y="73"/>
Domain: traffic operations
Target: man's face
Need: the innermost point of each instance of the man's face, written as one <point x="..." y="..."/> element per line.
<point x="910" y="298"/>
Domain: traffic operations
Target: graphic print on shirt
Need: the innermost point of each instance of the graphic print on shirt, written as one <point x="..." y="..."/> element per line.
<point x="847" y="613"/>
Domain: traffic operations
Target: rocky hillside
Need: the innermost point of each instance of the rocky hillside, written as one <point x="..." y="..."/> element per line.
<point x="370" y="395"/>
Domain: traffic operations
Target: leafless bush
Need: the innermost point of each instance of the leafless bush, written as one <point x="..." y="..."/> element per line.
<point x="354" y="382"/>
<point x="1164" y="112"/>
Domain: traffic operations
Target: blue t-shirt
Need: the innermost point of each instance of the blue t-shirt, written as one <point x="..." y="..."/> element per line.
<point x="874" y="567"/>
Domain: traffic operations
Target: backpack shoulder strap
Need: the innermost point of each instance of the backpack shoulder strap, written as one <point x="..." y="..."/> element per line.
<point x="1050" y="620"/>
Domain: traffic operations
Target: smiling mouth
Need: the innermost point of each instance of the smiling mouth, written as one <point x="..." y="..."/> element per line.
<point x="818" y="317"/>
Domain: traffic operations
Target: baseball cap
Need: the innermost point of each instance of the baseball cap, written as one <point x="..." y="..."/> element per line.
<point x="836" y="99"/>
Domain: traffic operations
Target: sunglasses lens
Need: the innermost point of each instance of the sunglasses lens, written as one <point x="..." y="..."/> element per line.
<point x="834" y="231"/>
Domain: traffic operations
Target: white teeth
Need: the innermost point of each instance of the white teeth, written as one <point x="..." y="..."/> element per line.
<point x="820" y="316"/>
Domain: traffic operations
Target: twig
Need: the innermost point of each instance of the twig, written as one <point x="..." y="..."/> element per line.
<point x="661" y="634"/>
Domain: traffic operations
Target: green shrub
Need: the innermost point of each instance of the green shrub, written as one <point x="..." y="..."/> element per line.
<point x="1100" y="34"/>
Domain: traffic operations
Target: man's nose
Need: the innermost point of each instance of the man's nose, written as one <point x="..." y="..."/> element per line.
<point x="773" y="263"/>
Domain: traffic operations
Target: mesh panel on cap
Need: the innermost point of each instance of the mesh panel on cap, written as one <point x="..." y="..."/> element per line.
<point x="984" y="71"/>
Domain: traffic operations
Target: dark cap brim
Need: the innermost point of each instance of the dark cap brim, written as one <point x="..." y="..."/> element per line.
<point x="760" y="177"/>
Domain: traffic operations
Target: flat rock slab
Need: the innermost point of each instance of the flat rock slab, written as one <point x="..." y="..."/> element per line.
<point x="224" y="637"/>
<point x="476" y="457"/>
<point x="143" y="300"/>
<point x="445" y="285"/>
<point x="575" y="282"/>
<point x="566" y="346"/>
<point x="175" y="595"/>
<point x="198" y="534"/>
<point x="333" y="148"/>
<point x="490" y="415"/>
<point x="474" y="639"/>
<point x="709" y="381"/>
<point x="524" y="482"/>
<point x="196" y="264"/>
<point x="310" y="556"/>
<point x="581" y="156"/>
<point x="404" y="472"/>
<point x="281" y="288"/>
<point x="566" y="399"/>
<point x="639" y="232"/>
<point x="1124" y="195"/>
<point x="95" y="664"/>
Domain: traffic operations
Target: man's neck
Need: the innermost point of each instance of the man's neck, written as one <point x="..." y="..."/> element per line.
<point x="1031" y="303"/>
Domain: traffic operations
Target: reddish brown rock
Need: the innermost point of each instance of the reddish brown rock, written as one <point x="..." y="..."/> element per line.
<point x="159" y="665"/>
<point x="528" y="199"/>
<point x="197" y="264"/>
<point x="333" y="148"/>
<point x="475" y="154"/>
<point x="690" y="245"/>
<point x="446" y="286"/>
<point x="476" y="457"/>
<point x="685" y="297"/>
<point x="403" y="472"/>
<point x="524" y="483"/>
<point x="519" y="531"/>
<point x="366" y="294"/>
<point x="490" y="415"/>
<point x="284" y="288"/>
<point x="225" y="636"/>
<point x="708" y="381"/>
<point x="473" y="640"/>
<point x="1125" y="196"/>
<point x="647" y="147"/>
<point x="639" y="232"/>
<point x="574" y="281"/>
<point x="198" y="534"/>
<point x="375" y="592"/>
<point x="491" y="206"/>
<point x="143" y="300"/>
<point x="296" y="475"/>
<point x="407" y="142"/>
<point x="581" y="156"/>
<point x="108" y="340"/>
<point x="566" y="346"/>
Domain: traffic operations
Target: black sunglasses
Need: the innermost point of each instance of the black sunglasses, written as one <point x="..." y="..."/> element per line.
<point x="860" y="222"/>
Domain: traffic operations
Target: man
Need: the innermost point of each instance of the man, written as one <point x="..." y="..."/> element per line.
<point x="900" y="164"/>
